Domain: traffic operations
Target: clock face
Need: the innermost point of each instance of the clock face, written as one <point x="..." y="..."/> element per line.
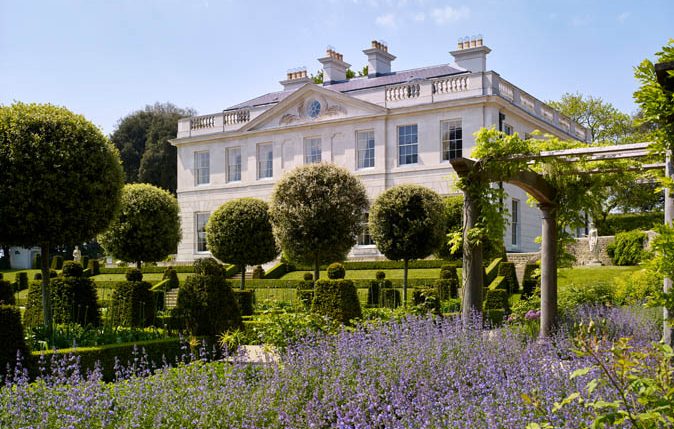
<point x="314" y="109"/>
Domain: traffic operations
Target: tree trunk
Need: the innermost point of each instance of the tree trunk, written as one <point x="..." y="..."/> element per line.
<point x="138" y="264"/>
<point x="242" y="268"/>
<point x="46" y="297"/>
<point x="472" y="263"/>
<point x="406" y="263"/>
<point x="316" y="267"/>
<point x="548" y="271"/>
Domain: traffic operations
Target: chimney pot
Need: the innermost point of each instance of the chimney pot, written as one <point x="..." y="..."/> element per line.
<point x="471" y="54"/>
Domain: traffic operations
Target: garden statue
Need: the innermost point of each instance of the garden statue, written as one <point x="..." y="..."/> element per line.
<point x="77" y="254"/>
<point x="592" y="240"/>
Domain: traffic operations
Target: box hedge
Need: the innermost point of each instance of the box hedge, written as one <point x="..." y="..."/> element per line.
<point x="94" y="267"/>
<point x="246" y="301"/>
<point x="6" y="293"/>
<point x="74" y="298"/>
<point x="11" y="337"/>
<point x="507" y="270"/>
<point x="57" y="262"/>
<point x="133" y="303"/>
<point x="390" y="298"/>
<point x="492" y="270"/>
<point x="496" y="299"/>
<point x="623" y="222"/>
<point x="306" y="297"/>
<point x="21" y="281"/>
<point x="207" y="305"/>
<point x="336" y="299"/>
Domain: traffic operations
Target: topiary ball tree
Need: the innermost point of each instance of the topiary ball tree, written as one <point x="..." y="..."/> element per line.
<point x="316" y="213"/>
<point x="74" y="297"/>
<point x="61" y="180"/>
<point x="407" y="222"/>
<point x="336" y="271"/>
<point x="239" y="232"/>
<point x="147" y="228"/>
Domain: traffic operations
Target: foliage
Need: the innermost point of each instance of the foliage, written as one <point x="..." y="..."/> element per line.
<point x="639" y="287"/>
<point x="573" y="295"/>
<point x="134" y="275"/>
<point x="207" y="304"/>
<point x="11" y="337"/>
<point x="142" y="139"/>
<point x="132" y="303"/>
<point x="507" y="270"/>
<point x="171" y="275"/>
<point x="308" y="277"/>
<point x="336" y="299"/>
<point x="71" y="269"/>
<point x="22" y="280"/>
<point x="406" y="222"/>
<point x="6" y="293"/>
<point x="623" y="222"/>
<point x="628" y="248"/>
<point x="210" y="267"/>
<point x="316" y="212"/>
<point x="74" y="298"/>
<point x="67" y="335"/>
<point x="94" y="266"/>
<point x="336" y="271"/>
<point x="61" y="178"/>
<point x="239" y="232"/>
<point x="426" y="300"/>
<point x="147" y="227"/>
<point x="380" y="275"/>
<point x="245" y="300"/>
<point x="453" y="224"/>
<point x="57" y="262"/>
<point x="258" y="272"/>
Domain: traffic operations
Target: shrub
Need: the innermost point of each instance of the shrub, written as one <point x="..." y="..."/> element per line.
<point x="172" y="276"/>
<point x="6" y="293"/>
<point x="94" y="266"/>
<point x="74" y="299"/>
<point x="426" y="300"/>
<point x="336" y="299"/>
<point x="21" y="281"/>
<point x="491" y="271"/>
<point x="380" y="275"/>
<point x="528" y="287"/>
<point x="449" y="282"/>
<point x="277" y="271"/>
<point x="245" y="299"/>
<point x="532" y="272"/>
<point x="305" y="284"/>
<point x="207" y="305"/>
<point x="574" y="295"/>
<point x="11" y="337"/>
<point x="57" y="262"/>
<point x="134" y="275"/>
<point x="637" y="288"/>
<point x="132" y="302"/>
<point x="494" y="316"/>
<point x="258" y="272"/>
<point x="72" y="269"/>
<point x="306" y="297"/>
<point x="308" y="277"/>
<point x="336" y="271"/>
<point x="210" y="267"/>
<point x="85" y="262"/>
<point x="32" y="316"/>
<point x="36" y="263"/>
<point x="390" y="298"/>
<point x="52" y="274"/>
<point x="623" y="222"/>
<point x="496" y="299"/>
<point x="628" y="248"/>
<point x="374" y="291"/>
<point x="507" y="270"/>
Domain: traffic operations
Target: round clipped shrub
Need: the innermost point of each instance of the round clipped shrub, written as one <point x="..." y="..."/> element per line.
<point x="380" y="275"/>
<point x="6" y="293"/>
<point x="336" y="271"/>
<point x="209" y="267"/>
<point x="207" y="305"/>
<point x="72" y="269"/>
<point x="11" y="337"/>
<point x="308" y="277"/>
<point x="57" y="262"/>
<point x="134" y="275"/>
<point x="74" y="300"/>
<point x="21" y="281"/>
<point x="172" y="276"/>
<point x="132" y="303"/>
<point x="258" y="272"/>
<point x="336" y="299"/>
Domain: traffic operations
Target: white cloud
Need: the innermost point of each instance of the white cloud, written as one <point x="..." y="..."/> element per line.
<point x="580" y="21"/>
<point x="447" y="14"/>
<point x="388" y="21"/>
<point x="623" y="17"/>
<point x="420" y="17"/>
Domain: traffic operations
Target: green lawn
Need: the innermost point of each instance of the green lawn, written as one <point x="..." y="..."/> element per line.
<point x="417" y="273"/>
<point x="580" y="276"/>
<point x="150" y="277"/>
<point x="11" y="274"/>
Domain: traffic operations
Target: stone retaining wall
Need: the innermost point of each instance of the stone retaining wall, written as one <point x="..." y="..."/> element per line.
<point x="581" y="250"/>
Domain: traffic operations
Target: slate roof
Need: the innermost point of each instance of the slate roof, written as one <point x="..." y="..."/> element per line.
<point x="360" y="83"/>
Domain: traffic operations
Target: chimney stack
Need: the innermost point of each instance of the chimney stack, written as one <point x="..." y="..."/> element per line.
<point x="295" y="78"/>
<point x="471" y="54"/>
<point x="334" y="67"/>
<point x="378" y="59"/>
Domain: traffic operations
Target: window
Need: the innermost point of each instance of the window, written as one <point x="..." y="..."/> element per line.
<point x="452" y="139"/>
<point x="265" y="161"/>
<point x="201" y="168"/>
<point x="200" y="220"/>
<point x="312" y="150"/>
<point x="408" y="145"/>
<point x="365" y="143"/>
<point x="234" y="164"/>
<point x="508" y="129"/>
<point x="515" y="223"/>
<point x="364" y="239"/>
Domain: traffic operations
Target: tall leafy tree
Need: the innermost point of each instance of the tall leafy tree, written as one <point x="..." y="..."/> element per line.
<point x="60" y="180"/>
<point x="239" y="232"/>
<point x="606" y="123"/>
<point x="147" y="228"/>
<point x="316" y="211"/>
<point x="142" y="139"/>
<point x="407" y="222"/>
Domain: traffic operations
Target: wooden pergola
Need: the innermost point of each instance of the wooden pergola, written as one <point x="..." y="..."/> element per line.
<point x="545" y="193"/>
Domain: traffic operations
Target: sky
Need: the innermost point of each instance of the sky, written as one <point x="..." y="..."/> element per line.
<point x="107" y="59"/>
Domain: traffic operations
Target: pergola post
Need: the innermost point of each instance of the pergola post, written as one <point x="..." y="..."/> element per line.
<point x="472" y="262"/>
<point x="548" y="270"/>
<point x="667" y="336"/>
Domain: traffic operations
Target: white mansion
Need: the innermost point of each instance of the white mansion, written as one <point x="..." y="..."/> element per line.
<point x="389" y="127"/>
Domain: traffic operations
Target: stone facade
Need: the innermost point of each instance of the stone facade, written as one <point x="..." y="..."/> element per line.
<point x="580" y="248"/>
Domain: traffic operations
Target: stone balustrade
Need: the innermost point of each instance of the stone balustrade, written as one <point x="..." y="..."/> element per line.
<point x="217" y="122"/>
<point x="451" y="84"/>
<point x="403" y="92"/>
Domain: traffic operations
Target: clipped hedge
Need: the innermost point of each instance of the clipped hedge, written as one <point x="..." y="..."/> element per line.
<point x="358" y="283"/>
<point x="52" y="274"/>
<point x="133" y="303"/>
<point x="374" y="292"/>
<point x="32" y="316"/>
<point x="74" y="298"/>
<point x="155" y="351"/>
<point x="499" y="283"/>
<point x="507" y="270"/>
<point x="496" y="299"/>
<point x="94" y="267"/>
<point x="246" y="301"/>
<point x="624" y="222"/>
<point x="207" y="305"/>
<point x="6" y="293"/>
<point x="277" y="271"/>
<point x="306" y="297"/>
<point x="21" y="280"/>
<point x="494" y="316"/>
<point x="492" y="270"/>
<point x="11" y="337"/>
<point x="57" y="262"/>
<point x="390" y="298"/>
<point x="336" y="299"/>
<point x="628" y="248"/>
<point x="148" y="269"/>
<point x="386" y="265"/>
